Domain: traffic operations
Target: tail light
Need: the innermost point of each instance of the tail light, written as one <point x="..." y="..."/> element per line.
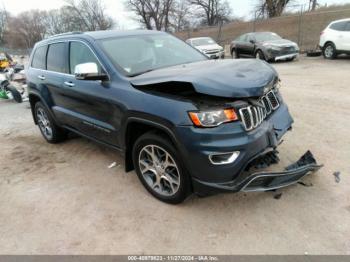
<point x="322" y="33"/>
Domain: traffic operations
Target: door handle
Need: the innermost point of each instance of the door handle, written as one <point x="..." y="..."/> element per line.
<point x="70" y="84"/>
<point x="41" y="77"/>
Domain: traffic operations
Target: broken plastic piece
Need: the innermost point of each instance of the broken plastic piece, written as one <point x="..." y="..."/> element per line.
<point x="337" y="176"/>
<point x="112" y="165"/>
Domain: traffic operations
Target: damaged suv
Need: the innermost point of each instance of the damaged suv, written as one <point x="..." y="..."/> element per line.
<point x="183" y="122"/>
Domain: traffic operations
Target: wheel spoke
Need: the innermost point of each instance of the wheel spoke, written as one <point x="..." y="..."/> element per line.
<point x="159" y="170"/>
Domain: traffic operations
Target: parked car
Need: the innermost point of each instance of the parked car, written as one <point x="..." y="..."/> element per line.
<point x="335" y="39"/>
<point x="207" y="46"/>
<point x="184" y="122"/>
<point x="264" y="45"/>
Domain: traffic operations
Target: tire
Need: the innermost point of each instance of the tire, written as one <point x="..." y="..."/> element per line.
<point x="259" y="55"/>
<point x="47" y="126"/>
<point x="15" y="94"/>
<point x="235" y="54"/>
<point x="329" y="51"/>
<point x="157" y="181"/>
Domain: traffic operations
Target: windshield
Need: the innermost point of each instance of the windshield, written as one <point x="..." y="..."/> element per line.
<point x="262" y="37"/>
<point x="203" y="41"/>
<point x="142" y="53"/>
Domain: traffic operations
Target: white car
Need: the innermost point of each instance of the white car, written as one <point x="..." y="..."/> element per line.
<point x="335" y="39"/>
<point x="207" y="46"/>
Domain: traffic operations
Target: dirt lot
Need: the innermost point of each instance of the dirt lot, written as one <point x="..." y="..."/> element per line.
<point x="62" y="199"/>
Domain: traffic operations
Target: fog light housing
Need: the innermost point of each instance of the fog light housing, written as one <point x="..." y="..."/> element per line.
<point x="223" y="158"/>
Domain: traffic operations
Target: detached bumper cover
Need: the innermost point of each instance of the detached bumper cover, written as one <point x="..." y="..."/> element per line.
<point x="263" y="181"/>
<point x="284" y="57"/>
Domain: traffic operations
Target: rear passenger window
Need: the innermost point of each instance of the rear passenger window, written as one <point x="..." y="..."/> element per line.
<point x="347" y="27"/>
<point x="340" y="26"/>
<point x="39" y="58"/>
<point x="57" y="58"/>
<point x="79" y="53"/>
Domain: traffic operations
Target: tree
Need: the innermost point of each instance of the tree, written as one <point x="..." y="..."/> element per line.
<point x="26" y="29"/>
<point x="90" y="14"/>
<point x="312" y="5"/>
<point x="153" y="14"/>
<point x="3" y="24"/>
<point x="271" y="8"/>
<point x="212" y="12"/>
<point x="182" y="13"/>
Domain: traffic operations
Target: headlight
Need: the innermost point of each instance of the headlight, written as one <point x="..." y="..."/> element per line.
<point x="274" y="47"/>
<point x="213" y="118"/>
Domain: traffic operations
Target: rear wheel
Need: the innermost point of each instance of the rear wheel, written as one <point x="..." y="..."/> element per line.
<point x="329" y="51"/>
<point x="160" y="169"/>
<point x="50" y="131"/>
<point x="235" y="54"/>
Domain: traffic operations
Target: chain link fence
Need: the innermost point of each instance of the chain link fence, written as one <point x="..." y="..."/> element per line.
<point x="303" y="28"/>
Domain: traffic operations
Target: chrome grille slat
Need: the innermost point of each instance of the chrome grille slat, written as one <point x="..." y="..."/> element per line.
<point x="253" y="115"/>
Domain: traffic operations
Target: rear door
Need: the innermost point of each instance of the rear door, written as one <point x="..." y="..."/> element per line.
<point x="87" y="104"/>
<point x="56" y="68"/>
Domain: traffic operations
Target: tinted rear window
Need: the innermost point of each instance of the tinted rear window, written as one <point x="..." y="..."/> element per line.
<point x="347" y="27"/>
<point x="39" y="58"/>
<point x="340" y="26"/>
<point x="57" y="58"/>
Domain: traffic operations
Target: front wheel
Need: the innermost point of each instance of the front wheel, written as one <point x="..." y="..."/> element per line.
<point x="50" y="131"/>
<point x="159" y="167"/>
<point x="329" y="51"/>
<point x="259" y="55"/>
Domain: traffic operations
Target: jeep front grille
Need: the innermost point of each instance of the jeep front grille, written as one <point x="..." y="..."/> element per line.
<point x="253" y="115"/>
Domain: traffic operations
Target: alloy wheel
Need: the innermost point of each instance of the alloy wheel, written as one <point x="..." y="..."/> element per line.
<point x="329" y="51"/>
<point x="44" y="123"/>
<point x="159" y="170"/>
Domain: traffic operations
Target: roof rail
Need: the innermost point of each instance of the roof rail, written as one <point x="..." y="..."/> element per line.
<point x="67" y="33"/>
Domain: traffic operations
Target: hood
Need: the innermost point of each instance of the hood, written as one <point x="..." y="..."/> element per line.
<point x="280" y="42"/>
<point x="208" y="47"/>
<point x="223" y="78"/>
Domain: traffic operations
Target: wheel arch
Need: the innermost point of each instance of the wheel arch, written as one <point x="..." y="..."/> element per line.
<point x="135" y="127"/>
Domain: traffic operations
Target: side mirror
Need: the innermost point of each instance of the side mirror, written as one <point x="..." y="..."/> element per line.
<point x="88" y="71"/>
<point x="252" y="41"/>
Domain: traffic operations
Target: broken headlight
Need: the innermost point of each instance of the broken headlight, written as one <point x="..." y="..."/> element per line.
<point x="213" y="118"/>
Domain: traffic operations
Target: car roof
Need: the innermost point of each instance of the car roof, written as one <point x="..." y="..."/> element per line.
<point x="340" y="20"/>
<point x="96" y="35"/>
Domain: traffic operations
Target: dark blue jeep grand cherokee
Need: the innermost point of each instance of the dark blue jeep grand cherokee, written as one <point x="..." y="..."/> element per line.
<point x="183" y="122"/>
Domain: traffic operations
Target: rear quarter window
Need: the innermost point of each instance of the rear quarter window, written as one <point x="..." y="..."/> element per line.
<point x="39" y="58"/>
<point x="339" y="26"/>
<point x="57" y="58"/>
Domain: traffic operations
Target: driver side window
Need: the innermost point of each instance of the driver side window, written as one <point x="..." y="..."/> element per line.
<point x="79" y="53"/>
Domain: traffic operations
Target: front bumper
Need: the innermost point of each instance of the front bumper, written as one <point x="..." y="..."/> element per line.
<point x="263" y="181"/>
<point x="208" y="179"/>
<point x="217" y="55"/>
<point x="285" y="57"/>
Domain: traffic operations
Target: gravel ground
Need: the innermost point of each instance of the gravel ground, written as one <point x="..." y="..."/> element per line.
<point x="63" y="199"/>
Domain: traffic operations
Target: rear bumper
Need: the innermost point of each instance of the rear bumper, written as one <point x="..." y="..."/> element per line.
<point x="263" y="181"/>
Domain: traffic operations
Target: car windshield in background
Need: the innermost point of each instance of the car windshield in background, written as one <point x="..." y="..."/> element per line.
<point x="263" y="37"/>
<point x="140" y="54"/>
<point x="203" y="41"/>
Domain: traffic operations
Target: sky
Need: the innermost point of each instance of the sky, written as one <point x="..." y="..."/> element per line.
<point x="115" y="8"/>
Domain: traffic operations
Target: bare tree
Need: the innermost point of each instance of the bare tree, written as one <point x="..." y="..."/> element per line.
<point x="27" y="28"/>
<point x="3" y="23"/>
<point x="182" y="15"/>
<point x="212" y="12"/>
<point x="153" y="14"/>
<point x="313" y="5"/>
<point x="271" y="8"/>
<point x="91" y="14"/>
